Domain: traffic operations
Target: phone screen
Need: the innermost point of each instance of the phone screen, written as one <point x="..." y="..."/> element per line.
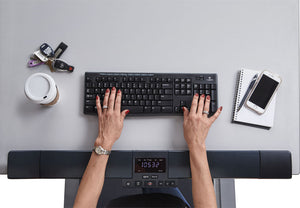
<point x="263" y="91"/>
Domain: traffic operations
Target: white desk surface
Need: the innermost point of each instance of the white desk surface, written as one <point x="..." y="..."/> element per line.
<point x="146" y="36"/>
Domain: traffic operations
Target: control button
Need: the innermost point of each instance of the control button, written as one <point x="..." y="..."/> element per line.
<point x="154" y="176"/>
<point x="167" y="183"/>
<point x="160" y="183"/>
<point x="127" y="183"/>
<point x="172" y="183"/>
<point x="146" y="177"/>
<point x="150" y="183"/>
<point x="138" y="183"/>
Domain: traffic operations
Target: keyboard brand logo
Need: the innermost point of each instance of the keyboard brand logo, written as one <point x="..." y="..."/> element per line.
<point x="209" y="79"/>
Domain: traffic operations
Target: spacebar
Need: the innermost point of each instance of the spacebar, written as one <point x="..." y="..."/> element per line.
<point x="133" y="109"/>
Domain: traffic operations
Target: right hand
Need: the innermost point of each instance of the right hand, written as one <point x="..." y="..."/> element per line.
<point x="196" y="124"/>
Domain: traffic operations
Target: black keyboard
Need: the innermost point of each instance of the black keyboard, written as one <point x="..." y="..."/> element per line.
<point x="151" y="93"/>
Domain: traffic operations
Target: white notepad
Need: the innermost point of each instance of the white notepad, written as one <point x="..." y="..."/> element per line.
<point x="246" y="115"/>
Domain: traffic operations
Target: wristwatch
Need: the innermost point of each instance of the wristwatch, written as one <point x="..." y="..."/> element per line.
<point x="101" y="151"/>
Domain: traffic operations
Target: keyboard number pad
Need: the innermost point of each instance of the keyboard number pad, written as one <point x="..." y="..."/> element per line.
<point x="183" y="86"/>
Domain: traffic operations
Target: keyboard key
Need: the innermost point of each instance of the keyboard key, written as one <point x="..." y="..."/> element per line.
<point x="138" y="91"/>
<point x="164" y="103"/>
<point x="88" y="96"/>
<point x="166" y="109"/>
<point x="213" y="95"/>
<point x="167" y="86"/>
<point x="90" y="102"/>
<point x="89" y="90"/>
<point x="156" y="109"/>
<point x="133" y="109"/>
<point x="166" y="97"/>
<point x="213" y="106"/>
<point x="168" y="92"/>
<point x="88" y="79"/>
<point x="89" y="109"/>
<point x="147" y="109"/>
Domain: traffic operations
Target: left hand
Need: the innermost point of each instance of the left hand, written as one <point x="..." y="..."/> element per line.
<point x="110" y="119"/>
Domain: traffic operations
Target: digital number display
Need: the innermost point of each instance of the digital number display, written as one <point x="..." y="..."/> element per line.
<point x="150" y="165"/>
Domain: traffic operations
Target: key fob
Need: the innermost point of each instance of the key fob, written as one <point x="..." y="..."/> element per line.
<point x="34" y="62"/>
<point x="60" y="50"/>
<point x="46" y="50"/>
<point x="60" y="65"/>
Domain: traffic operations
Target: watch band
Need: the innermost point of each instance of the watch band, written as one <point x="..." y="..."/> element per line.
<point x="101" y="151"/>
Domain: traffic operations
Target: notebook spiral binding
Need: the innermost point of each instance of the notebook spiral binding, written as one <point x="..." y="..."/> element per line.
<point x="238" y="87"/>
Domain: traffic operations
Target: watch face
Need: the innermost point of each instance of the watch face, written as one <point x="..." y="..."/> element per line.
<point x="98" y="150"/>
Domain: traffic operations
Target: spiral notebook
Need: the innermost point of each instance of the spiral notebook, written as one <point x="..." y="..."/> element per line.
<point x="246" y="115"/>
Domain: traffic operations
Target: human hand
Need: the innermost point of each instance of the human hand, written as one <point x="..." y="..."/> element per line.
<point x="110" y="119"/>
<point x="196" y="124"/>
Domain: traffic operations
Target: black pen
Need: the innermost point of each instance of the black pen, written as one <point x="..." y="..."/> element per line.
<point x="247" y="92"/>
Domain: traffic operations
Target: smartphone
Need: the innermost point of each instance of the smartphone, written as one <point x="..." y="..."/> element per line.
<point x="263" y="91"/>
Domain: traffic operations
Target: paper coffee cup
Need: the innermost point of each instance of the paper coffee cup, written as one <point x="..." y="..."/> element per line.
<point x="40" y="88"/>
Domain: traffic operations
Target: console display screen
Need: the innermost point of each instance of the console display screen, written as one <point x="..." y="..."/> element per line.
<point x="150" y="165"/>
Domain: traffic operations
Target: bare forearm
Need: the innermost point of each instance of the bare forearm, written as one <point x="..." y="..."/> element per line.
<point x="92" y="182"/>
<point x="202" y="186"/>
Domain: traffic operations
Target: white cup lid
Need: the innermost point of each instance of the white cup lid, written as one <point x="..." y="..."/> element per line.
<point x="40" y="88"/>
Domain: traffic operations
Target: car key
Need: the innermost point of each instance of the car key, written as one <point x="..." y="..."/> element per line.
<point x="63" y="66"/>
<point x="49" y="63"/>
<point x="40" y="56"/>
